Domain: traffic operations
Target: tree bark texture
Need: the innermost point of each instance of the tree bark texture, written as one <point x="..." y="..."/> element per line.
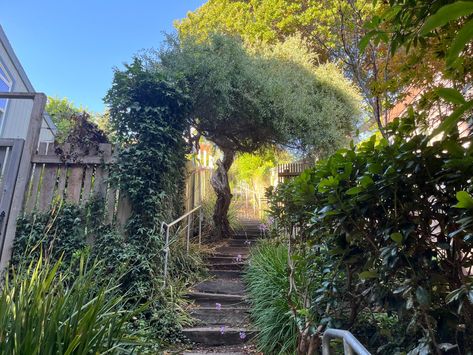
<point x="219" y="182"/>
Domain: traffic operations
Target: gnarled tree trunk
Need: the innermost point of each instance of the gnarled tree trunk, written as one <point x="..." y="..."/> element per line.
<point x="219" y="182"/>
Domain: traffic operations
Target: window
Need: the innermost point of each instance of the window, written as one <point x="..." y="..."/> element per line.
<point x="5" y="86"/>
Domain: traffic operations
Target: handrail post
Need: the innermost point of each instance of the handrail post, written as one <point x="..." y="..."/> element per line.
<point x="200" y="226"/>
<point x="166" y="255"/>
<point x="189" y="218"/>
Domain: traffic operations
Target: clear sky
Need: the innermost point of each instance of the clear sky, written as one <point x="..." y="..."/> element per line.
<point x="68" y="48"/>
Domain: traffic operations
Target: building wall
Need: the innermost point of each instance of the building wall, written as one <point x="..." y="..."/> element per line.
<point x="17" y="115"/>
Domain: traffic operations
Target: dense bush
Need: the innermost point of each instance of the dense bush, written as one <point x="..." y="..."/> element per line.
<point x="48" y="311"/>
<point x="386" y="221"/>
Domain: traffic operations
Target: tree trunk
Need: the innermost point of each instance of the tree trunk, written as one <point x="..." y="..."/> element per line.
<point x="219" y="182"/>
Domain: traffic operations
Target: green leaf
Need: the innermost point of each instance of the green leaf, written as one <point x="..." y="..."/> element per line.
<point x="366" y="181"/>
<point x="397" y="237"/>
<point x="423" y="296"/>
<point x="465" y="200"/>
<point x="375" y="168"/>
<point x="451" y="121"/>
<point x="451" y="95"/>
<point x="446" y="14"/>
<point x="354" y="190"/>
<point x="365" y="275"/>
<point x="366" y="40"/>
<point x="463" y="37"/>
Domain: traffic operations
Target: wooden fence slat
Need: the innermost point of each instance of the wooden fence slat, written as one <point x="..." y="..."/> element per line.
<point x="74" y="184"/>
<point x="63" y="173"/>
<point x="48" y="182"/>
<point x="87" y="184"/>
<point x="101" y="173"/>
<point x="110" y="204"/>
<point x="4" y="156"/>
<point x="123" y="211"/>
<point x="38" y="169"/>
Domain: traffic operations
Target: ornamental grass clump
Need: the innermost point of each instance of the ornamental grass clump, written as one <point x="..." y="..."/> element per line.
<point x="268" y="288"/>
<point x="44" y="310"/>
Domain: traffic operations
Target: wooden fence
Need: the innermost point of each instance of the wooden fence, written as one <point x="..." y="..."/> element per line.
<point x="62" y="173"/>
<point x="287" y="171"/>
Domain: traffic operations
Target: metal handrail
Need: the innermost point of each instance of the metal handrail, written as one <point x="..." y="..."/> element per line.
<point x="351" y="345"/>
<point x="168" y="226"/>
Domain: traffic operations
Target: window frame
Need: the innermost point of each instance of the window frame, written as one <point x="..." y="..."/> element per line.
<point x="5" y="76"/>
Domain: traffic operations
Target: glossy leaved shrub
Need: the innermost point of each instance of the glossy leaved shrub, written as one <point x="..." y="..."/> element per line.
<point x="393" y="224"/>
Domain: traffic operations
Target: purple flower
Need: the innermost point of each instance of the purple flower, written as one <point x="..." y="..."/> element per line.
<point x="242" y="335"/>
<point x="263" y="227"/>
<point x="238" y="259"/>
<point x="222" y="329"/>
<point x="218" y="306"/>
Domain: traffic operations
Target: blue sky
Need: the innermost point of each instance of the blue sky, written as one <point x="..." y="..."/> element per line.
<point x="68" y="48"/>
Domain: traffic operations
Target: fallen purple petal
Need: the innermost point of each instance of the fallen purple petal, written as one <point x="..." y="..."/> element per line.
<point x="222" y="329"/>
<point x="242" y="335"/>
<point x="218" y="306"/>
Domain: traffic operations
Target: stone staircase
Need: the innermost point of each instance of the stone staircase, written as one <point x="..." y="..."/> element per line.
<point x="221" y="311"/>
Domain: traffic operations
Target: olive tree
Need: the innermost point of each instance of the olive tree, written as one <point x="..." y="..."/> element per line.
<point x="244" y="99"/>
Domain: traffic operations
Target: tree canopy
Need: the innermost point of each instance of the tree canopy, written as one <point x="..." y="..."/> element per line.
<point x="334" y="31"/>
<point x="244" y="99"/>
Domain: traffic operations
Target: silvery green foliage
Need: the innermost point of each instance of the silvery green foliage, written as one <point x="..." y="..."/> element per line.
<point x="245" y="98"/>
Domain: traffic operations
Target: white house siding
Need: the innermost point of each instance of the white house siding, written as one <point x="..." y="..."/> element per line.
<point x="17" y="115"/>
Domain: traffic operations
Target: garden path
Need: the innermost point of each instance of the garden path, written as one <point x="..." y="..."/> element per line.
<point x="221" y="310"/>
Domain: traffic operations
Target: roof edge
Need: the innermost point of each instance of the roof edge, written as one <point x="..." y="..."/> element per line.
<point x="15" y="60"/>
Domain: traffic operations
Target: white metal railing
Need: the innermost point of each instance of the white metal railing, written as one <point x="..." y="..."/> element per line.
<point x="351" y="345"/>
<point x="166" y="227"/>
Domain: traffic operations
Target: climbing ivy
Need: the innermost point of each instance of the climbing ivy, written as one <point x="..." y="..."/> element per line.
<point x="148" y="118"/>
<point x="147" y="113"/>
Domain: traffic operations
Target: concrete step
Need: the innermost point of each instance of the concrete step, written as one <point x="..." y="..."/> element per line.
<point x="233" y="251"/>
<point x="242" y="242"/>
<point x="222" y="286"/>
<point x="208" y="316"/>
<point x="215" y="351"/>
<point x="224" y="259"/>
<point x="218" y="336"/>
<point x="226" y="274"/>
<point x="244" y="236"/>
<point x="227" y="266"/>
<point x="210" y="300"/>
<point x="247" y="234"/>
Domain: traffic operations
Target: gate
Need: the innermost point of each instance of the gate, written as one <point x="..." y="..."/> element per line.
<point x="10" y="154"/>
<point x="16" y="162"/>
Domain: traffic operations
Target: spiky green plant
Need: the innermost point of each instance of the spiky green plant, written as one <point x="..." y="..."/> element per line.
<point x="268" y="286"/>
<point x="44" y="310"/>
